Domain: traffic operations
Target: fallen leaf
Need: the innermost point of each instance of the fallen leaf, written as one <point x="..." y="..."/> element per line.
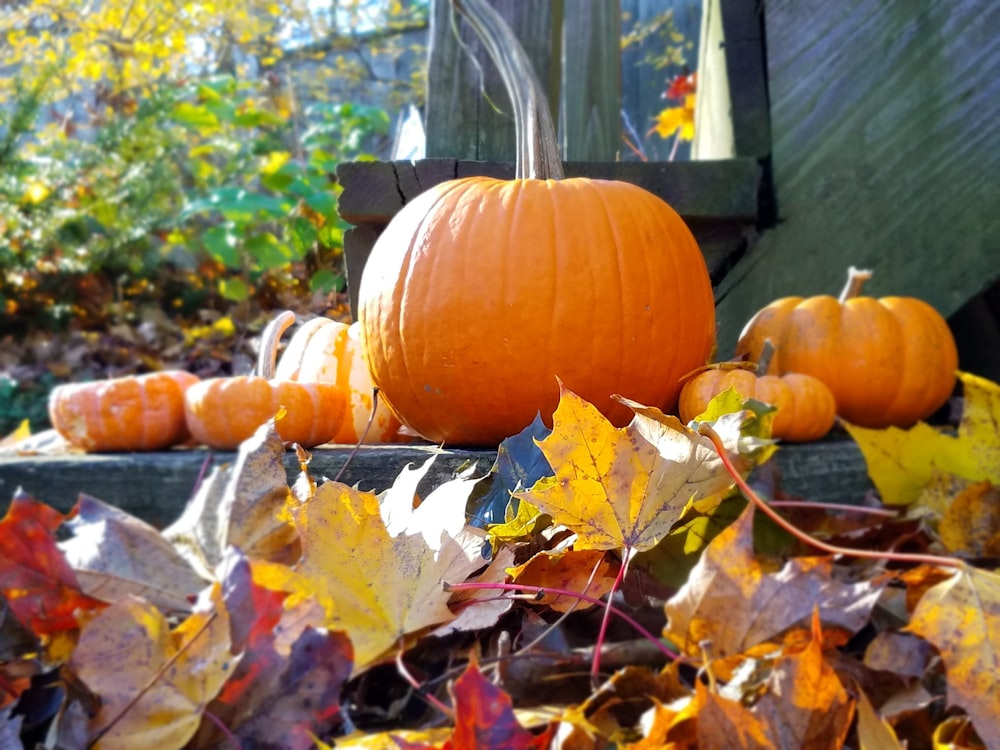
<point x="114" y="553"/>
<point x="960" y="616"/>
<point x="902" y="462"/>
<point x="874" y="732"/>
<point x="806" y="706"/>
<point x="395" y="587"/>
<point x="570" y="570"/>
<point x="731" y="601"/>
<point x="971" y="524"/>
<point x="724" y="723"/>
<point x="626" y="487"/>
<point x="154" y="684"/>
<point x="35" y="579"/>
<point x="478" y="609"/>
<point x="242" y="505"/>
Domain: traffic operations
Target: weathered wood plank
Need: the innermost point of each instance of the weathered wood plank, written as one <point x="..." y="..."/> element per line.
<point x="375" y="191"/>
<point x="461" y="123"/>
<point x="157" y="486"/>
<point x="589" y="119"/>
<point x="745" y="67"/>
<point x="886" y="153"/>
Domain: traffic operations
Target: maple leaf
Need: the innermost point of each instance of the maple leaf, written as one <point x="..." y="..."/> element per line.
<point x="395" y="586"/>
<point x="960" y="616"/>
<point x="902" y="463"/>
<point x="114" y="553"/>
<point x="971" y="522"/>
<point x="35" y="578"/>
<point x="806" y="705"/>
<point x="627" y="487"/>
<point x="674" y="119"/>
<point x="733" y="602"/>
<point x="153" y="683"/>
<point x="874" y="732"/>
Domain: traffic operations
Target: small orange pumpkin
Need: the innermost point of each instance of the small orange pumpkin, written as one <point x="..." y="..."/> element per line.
<point x="132" y="413"/>
<point x="223" y="412"/>
<point x="889" y="361"/>
<point x="328" y="351"/>
<point x="806" y="409"/>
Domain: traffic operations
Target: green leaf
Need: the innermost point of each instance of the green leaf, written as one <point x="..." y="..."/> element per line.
<point x="278" y="181"/>
<point x="330" y="236"/>
<point x="195" y="117"/>
<point x="301" y="235"/>
<point x="238" y="204"/>
<point x="325" y="281"/>
<point x="221" y="245"/>
<point x="268" y="251"/>
<point x="234" y="290"/>
<point x="322" y="203"/>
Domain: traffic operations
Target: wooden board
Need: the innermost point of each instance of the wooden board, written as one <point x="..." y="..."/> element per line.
<point x="375" y="191"/>
<point x="885" y="153"/>
<point x="829" y="471"/>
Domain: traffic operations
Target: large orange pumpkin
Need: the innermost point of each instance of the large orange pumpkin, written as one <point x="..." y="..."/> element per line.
<point x="132" y="413"/>
<point x="888" y="361"/>
<point x="481" y="292"/>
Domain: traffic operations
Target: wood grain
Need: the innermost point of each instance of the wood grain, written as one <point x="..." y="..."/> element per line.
<point x="886" y="153"/>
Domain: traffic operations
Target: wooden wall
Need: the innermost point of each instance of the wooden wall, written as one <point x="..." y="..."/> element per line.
<point x="885" y="153"/>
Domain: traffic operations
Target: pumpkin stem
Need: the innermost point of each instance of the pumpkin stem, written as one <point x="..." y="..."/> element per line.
<point x="267" y="357"/>
<point x="856" y="278"/>
<point x="537" y="148"/>
<point x="766" y="355"/>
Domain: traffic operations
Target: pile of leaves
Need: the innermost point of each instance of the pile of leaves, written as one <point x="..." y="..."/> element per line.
<point x="629" y="597"/>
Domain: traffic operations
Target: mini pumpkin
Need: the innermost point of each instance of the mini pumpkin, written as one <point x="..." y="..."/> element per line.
<point x="889" y="362"/>
<point x="481" y="292"/>
<point x="132" y="413"/>
<point x="328" y="351"/>
<point x="223" y="412"/>
<point x="806" y="409"/>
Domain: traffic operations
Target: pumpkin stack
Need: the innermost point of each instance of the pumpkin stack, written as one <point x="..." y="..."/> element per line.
<point x="480" y="293"/>
<point x="888" y="362"/>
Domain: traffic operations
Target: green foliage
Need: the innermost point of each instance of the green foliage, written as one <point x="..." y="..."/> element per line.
<point x="24" y="400"/>
<point x="201" y="194"/>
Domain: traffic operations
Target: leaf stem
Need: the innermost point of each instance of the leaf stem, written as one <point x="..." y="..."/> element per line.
<point x="429" y="697"/>
<point x="516" y="587"/>
<point x="595" y="665"/>
<point x="881" y="512"/>
<point x="747" y="490"/>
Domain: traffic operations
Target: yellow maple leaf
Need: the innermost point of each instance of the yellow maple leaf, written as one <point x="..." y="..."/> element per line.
<point x="627" y="487"/>
<point x="902" y="463"/>
<point x="153" y="683"/>
<point x="960" y="616"/>
<point x="673" y="119"/>
<point x="377" y="569"/>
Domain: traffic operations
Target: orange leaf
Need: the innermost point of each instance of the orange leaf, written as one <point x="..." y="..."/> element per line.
<point x="806" y="705"/>
<point x="961" y="617"/>
<point x="35" y="579"/>
<point x="569" y="570"/>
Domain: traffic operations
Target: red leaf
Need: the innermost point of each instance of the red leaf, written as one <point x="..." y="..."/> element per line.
<point x="35" y="578"/>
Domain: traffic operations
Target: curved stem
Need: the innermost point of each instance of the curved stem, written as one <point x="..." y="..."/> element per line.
<point x="267" y="357"/>
<point x="537" y="147"/>
<point x="856" y="278"/>
<point x="747" y="490"/>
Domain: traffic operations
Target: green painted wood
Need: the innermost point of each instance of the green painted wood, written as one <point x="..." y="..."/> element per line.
<point x="885" y="153"/>
<point x="460" y="121"/>
<point x="589" y="119"/>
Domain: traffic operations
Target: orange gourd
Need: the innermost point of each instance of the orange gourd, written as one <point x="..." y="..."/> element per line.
<point x="806" y="409"/>
<point x="223" y="412"/>
<point x="888" y="361"/>
<point x="132" y="413"/>
<point x="328" y="351"/>
<point x="481" y="292"/>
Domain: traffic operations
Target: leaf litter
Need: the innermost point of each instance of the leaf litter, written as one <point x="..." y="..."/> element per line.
<point x="318" y="615"/>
